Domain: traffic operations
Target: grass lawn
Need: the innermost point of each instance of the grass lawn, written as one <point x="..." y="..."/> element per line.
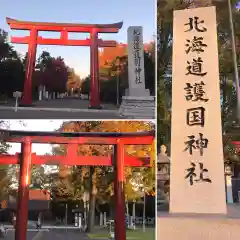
<point x="149" y="234"/>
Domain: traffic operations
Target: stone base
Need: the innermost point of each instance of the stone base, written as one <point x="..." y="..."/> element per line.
<point x="94" y="107"/>
<point x="195" y="227"/>
<point x="137" y="92"/>
<point x="138" y="107"/>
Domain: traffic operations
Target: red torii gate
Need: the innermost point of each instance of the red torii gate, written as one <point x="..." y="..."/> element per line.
<point x="237" y="145"/>
<point x="119" y="159"/>
<point x="33" y="40"/>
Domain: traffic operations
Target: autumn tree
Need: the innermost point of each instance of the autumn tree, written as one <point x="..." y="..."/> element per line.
<point x="98" y="181"/>
<point x="5" y="179"/>
<point x="114" y="70"/>
<point x="85" y="86"/>
<point x="107" y="56"/>
<point x="52" y="73"/>
<point x="74" y="82"/>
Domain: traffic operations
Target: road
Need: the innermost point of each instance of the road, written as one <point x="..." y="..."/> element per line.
<point x="30" y="236"/>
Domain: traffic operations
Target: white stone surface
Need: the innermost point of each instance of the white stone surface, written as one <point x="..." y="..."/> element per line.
<point x="40" y="95"/>
<point x="229" y="189"/>
<point x="197" y="183"/>
<point x="138" y="107"/>
<point x="198" y="228"/>
<point x="137" y="102"/>
<point x="136" y="75"/>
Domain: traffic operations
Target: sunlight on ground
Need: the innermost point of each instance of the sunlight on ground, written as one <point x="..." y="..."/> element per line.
<point x="131" y="235"/>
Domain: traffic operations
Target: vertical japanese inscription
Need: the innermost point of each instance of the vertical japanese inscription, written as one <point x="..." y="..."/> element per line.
<point x="137" y="57"/>
<point x="194" y="92"/>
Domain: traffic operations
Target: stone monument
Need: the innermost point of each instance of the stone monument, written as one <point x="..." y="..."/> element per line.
<point x="137" y="102"/>
<point x="197" y="208"/>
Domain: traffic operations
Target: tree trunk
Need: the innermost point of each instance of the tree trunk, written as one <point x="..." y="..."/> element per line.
<point x="92" y="200"/>
<point x="111" y="208"/>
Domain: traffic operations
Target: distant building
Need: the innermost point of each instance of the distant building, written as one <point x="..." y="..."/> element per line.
<point x="38" y="200"/>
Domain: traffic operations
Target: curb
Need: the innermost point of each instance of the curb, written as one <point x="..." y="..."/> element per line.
<point x="37" y="236"/>
<point x="61" y="109"/>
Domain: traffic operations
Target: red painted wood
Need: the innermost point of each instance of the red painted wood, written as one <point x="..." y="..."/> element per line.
<point x="147" y="140"/>
<point x="237" y="145"/>
<point x="64" y="35"/>
<point x="61" y="28"/>
<point x="63" y="41"/>
<point x="142" y="140"/>
<point x="66" y="140"/>
<point x="70" y="27"/>
<point x="94" y="71"/>
<point x="23" y="191"/>
<point x="77" y="160"/>
<point x="120" y="226"/>
<point x="50" y="41"/>
<point x="30" y="66"/>
<point x="9" y="159"/>
<point x="72" y="150"/>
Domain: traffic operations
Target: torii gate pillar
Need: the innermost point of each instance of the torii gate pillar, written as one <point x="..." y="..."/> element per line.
<point x="94" y="71"/>
<point x="30" y="66"/>
<point x="23" y="192"/>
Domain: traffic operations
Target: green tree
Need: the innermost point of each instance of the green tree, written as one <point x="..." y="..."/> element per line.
<point x="85" y="86"/>
<point x="11" y="68"/>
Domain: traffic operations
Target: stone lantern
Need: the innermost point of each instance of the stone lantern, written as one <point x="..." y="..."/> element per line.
<point x="163" y="175"/>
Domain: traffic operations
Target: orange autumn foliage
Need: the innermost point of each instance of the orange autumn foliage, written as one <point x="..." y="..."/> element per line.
<point x="107" y="55"/>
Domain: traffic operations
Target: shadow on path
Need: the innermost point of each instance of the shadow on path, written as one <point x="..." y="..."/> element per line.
<point x="62" y="103"/>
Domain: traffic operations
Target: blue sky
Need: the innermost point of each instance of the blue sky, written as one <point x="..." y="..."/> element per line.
<point x="131" y="12"/>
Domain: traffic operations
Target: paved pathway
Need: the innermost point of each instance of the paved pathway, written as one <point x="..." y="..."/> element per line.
<point x="63" y="235"/>
<point x="69" y="108"/>
<point x="30" y="235"/>
<point x="56" y="234"/>
<point x="72" y="103"/>
<point x="48" y="114"/>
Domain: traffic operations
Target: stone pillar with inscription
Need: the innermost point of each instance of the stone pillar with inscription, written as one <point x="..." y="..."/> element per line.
<point x="197" y="208"/>
<point x="137" y="102"/>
